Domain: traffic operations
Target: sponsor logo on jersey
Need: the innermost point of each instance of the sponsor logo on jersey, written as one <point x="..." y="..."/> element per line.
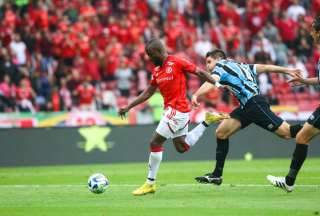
<point x="270" y="126"/>
<point x="164" y="79"/>
<point x="311" y="117"/>
<point x="169" y="70"/>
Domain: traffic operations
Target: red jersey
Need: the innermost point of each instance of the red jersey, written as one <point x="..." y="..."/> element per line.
<point x="170" y="78"/>
<point x="86" y="94"/>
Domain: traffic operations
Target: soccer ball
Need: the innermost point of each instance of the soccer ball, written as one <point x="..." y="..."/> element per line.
<point x="97" y="183"/>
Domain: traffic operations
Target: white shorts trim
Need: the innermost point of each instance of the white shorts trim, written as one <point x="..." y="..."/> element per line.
<point x="173" y="124"/>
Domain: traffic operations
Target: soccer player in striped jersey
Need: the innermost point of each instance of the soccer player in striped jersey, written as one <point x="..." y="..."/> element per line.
<point x="310" y="129"/>
<point x="240" y="78"/>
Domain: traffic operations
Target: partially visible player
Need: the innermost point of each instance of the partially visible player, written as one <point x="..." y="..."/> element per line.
<point x="240" y="78"/>
<point x="310" y="129"/>
<point x="169" y="76"/>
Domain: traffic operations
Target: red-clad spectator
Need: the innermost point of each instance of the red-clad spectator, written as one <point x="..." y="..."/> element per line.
<point x="113" y="26"/>
<point x="135" y="33"/>
<point x="141" y="21"/>
<point x="87" y="10"/>
<point x="228" y="11"/>
<point x="103" y="40"/>
<point x="24" y="96"/>
<point x="141" y="6"/>
<point x="10" y="18"/>
<point x="231" y="35"/>
<point x="59" y="35"/>
<point x="91" y="67"/>
<point x="123" y="33"/>
<point x="78" y="27"/>
<point x="69" y="49"/>
<point x="315" y="6"/>
<point x="103" y="7"/>
<point x="83" y="45"/>
<point x="216" y="35"/>
<point x="86" y="93"/>
<point x="287" y="28"/>
<point x="258" y="12"/>
<point x="5" y="87"/>
<point x="112" y="58"/>
<point x="54" y="104"/>
<point x="95" y="28"/>
<point x="173" y="32"/>
<point x="57" y="39"/>
<point x="6" y="91"/>
<point x="42" y="18"/>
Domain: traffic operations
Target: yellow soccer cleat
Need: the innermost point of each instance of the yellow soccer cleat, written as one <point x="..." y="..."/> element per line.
<point x="215" y="117"/>
<point x="144" y="189"/>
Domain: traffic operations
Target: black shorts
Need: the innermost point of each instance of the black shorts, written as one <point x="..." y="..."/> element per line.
<point x="314" y="119"/>
<point x="257" y="110"/>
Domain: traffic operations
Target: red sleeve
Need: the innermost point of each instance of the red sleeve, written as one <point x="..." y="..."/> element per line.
<point x="79" y="89"/>
<point x="153" y="81"/>
<point x="187" y="66"/>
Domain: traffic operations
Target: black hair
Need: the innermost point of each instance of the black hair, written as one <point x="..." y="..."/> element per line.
<point x="316" y="23"/>
<point x="154" y="43"/>
<point x="217" y="53"/>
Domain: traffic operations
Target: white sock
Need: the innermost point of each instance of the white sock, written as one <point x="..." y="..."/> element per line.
<point x="194" y="135"/>
<point x="155" y="159"/>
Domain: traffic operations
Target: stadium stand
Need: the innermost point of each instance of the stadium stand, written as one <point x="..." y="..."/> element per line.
<point x="64" y="54"/>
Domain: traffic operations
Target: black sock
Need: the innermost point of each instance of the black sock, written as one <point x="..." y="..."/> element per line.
<point x="221" y="154"/>
<point x="294" y="130"/>
<point x="299" y="155"/>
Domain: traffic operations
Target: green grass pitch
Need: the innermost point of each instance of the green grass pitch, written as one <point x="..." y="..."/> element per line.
<point x="62" y="190"/>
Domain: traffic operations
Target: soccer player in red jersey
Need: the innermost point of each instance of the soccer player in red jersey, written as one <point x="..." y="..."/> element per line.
<point x="169" y="76"/>
<point x="310" y="129"/>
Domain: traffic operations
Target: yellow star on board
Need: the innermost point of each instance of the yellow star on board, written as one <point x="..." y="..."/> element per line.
<point x="95" y="138"/>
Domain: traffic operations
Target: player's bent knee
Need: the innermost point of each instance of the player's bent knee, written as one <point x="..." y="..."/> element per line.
<point x="221" y="134"/>
<point x="302" y="139"/>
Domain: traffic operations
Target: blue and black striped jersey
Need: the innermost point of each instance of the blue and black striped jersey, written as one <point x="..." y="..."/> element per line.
<point x="240" y="77"/>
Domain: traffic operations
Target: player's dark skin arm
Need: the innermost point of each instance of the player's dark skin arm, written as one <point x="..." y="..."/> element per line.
<point x="205" y="76"/>
<point x="145" y="95"/>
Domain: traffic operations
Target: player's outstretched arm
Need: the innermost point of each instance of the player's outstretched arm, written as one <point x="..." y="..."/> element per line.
<point x="145" y="95"/>
<point x="205" y="76"/>
<point x="262" y="68"/>
<point x="205" y="88"/>
<point x="297" y="80"/>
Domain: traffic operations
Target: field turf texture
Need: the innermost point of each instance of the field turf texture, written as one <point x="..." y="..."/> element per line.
<point x="62" y="190"/>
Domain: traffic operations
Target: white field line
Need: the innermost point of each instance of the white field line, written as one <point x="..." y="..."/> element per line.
<point x="161" y="185"/>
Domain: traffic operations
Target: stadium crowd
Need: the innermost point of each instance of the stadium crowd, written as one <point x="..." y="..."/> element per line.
<point x="63" y="54"/>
